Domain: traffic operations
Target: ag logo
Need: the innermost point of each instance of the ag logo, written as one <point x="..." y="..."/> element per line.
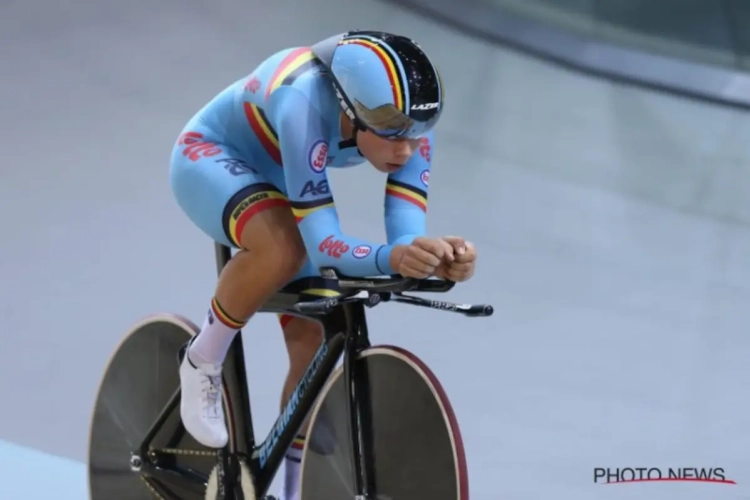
<point x="315" y="189"/>
<point x="236" y="167"/>
<point x="318" y="156"/>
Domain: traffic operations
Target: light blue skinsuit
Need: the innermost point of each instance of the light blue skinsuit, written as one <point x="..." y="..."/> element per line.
<point x="267" y="140"/>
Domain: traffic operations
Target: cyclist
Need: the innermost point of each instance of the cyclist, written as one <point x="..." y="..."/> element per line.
<point x="250" y="170"/>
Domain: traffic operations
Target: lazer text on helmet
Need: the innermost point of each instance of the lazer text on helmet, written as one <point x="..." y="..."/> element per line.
<point x="425" y="106"/>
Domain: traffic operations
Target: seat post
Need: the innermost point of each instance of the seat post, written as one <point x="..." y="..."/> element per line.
<point x="223" y="255"/>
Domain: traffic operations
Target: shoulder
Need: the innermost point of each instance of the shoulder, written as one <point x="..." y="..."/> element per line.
<point x="291" y="68"/>
<point x="303" y="95"/>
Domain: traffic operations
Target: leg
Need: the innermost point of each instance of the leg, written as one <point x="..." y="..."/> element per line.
<point x="303" y="337"/>
<point x="237" y="207"/>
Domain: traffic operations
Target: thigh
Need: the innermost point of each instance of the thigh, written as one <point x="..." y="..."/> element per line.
<point x="222" y="191"/>
<point x="218" y="188"/>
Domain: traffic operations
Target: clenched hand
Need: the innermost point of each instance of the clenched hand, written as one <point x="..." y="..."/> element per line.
<point x="461" y="266"/>
<point x="422" y="258"/>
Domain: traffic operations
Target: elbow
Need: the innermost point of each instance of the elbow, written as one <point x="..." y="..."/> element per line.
<point x="318" y="261"/>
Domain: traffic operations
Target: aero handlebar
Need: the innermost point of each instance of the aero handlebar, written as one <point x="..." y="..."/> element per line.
<point x="373" y="291"/>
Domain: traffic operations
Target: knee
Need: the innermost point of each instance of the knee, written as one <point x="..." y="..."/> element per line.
<point x="287" y="255"/>
<point x="282" y="253"/>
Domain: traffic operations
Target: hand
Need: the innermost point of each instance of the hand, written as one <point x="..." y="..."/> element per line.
<point x="421" y="258"/>
<point x="461" y="267"/>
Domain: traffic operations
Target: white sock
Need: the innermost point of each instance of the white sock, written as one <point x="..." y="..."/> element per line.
<point x="212" y="343"/>
<point x="292" y="469"/>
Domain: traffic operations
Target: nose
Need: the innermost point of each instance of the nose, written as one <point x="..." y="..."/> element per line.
<point x="403" y="148"/>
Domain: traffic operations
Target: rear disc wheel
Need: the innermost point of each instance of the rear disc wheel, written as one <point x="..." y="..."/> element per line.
<point x="140" y="379"/>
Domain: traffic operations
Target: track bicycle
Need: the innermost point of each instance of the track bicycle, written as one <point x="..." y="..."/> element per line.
<point x="381" y="425"/>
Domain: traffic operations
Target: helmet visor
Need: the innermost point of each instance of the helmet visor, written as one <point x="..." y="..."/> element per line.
<point x="390" y="122"/>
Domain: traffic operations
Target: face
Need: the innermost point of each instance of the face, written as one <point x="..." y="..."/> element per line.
<point x="386" y="155"/>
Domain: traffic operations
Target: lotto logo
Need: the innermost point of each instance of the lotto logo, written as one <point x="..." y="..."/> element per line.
<point x="253" y="85"/>
<point x="424" y="148"/>
<point x="361" y="251"/>
<point x="333" y="247"/>
<point x="318" y="156"/>
<point x="196" y="147"/>
<point x="425" y="177"/>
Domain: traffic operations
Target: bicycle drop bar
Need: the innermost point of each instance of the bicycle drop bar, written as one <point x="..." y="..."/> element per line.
<point x="373" y="291"/>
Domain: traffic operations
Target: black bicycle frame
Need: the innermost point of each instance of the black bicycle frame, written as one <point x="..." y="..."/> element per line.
<point x="345" y="332"/>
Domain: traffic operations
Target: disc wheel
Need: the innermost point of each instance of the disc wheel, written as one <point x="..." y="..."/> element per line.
<point x="139" y="381"/>
<point x="418" y="451"/>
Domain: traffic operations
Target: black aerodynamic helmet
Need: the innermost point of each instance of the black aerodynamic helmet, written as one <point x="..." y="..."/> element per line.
<point x="384" y="82"/>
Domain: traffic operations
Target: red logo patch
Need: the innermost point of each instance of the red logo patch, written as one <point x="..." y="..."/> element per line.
<point x="253" y="84"/>
<point x="425" y="148"/>
<point x="333" y="247"/>
<point x="197" y="147"/>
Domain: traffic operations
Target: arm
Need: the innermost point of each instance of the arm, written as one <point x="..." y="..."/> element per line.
<point x="406" y="196"/>
<point x="302" y="139"/>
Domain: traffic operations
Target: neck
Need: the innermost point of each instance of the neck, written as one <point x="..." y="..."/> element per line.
<point x="347" y="127"/>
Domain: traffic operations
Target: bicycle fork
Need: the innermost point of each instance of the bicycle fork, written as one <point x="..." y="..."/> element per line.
<point x="358" y="406"/>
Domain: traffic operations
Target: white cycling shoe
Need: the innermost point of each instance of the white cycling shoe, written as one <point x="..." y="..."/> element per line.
<point x="201" y="405"/>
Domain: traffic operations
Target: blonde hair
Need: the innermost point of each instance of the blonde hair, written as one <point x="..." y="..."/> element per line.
<point x="384" y="117"/>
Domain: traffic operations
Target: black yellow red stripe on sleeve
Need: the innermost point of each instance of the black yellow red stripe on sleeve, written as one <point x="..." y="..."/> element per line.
<point x="248" y="202"/>
<point x="263" y="130"/>
<point x="302" y="209"/>
<point x="291" y="67"/>
<point x="295" y="64"/>
<point x="407" y="192"/>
